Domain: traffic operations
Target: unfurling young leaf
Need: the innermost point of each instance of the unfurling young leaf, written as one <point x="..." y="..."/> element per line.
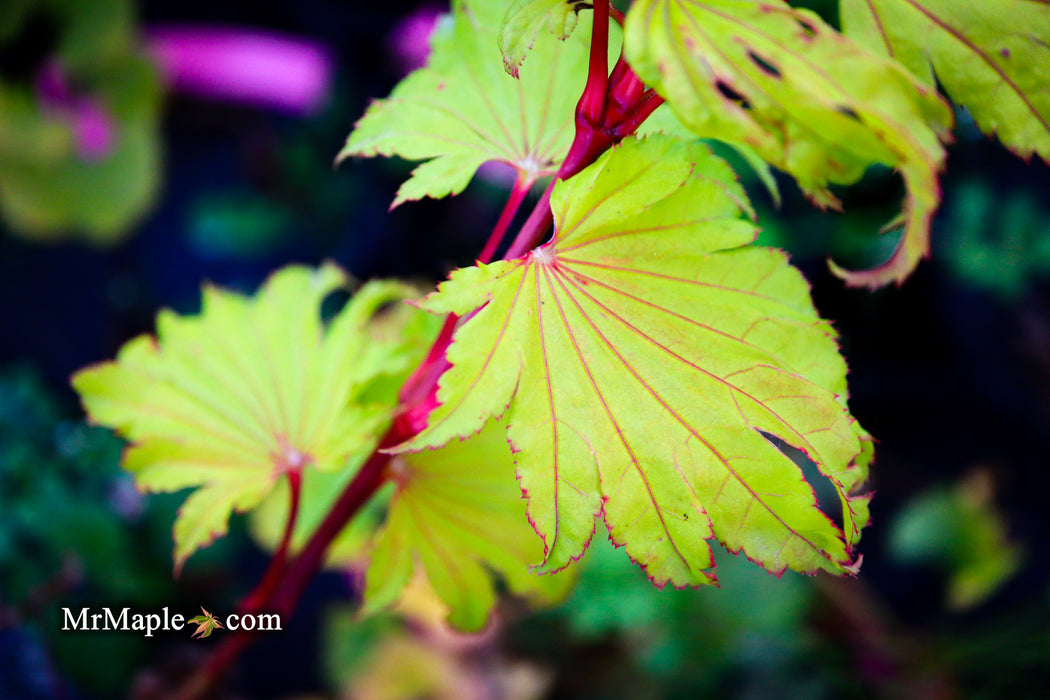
<point x="805" y="98"/>
<point x="463" y="109"/>
<point x="247" y="391"/>
<point x="641" y="358"/>
<point x="991" y="56"/>
<point x="456" y="513"/>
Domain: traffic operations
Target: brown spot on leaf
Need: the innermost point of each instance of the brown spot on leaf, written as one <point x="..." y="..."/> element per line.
<point x="848" y="111"/>
<point x="730" y="94"/>
<point x="763" y="64"/>
<point x="808" y="30"/>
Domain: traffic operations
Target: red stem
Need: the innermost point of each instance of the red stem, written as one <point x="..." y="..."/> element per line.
<point x="535" y="226"/>
<point x="647" y="105"/>
<point x="358" y="492"/>
<point x="521" y="188"/>
<point x="253" y="601"/>
<point x="592" y="103"/>
<point x="303" y="568"/>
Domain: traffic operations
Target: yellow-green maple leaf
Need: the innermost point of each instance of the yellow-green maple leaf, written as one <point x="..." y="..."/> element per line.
<point x="250" y="389"/>
<point x="463" y="109"/>
<point x="457" y="513"/>
<point x="640" y="358"/>
<point x="802" y="96"/>
<point x="992" y="56"/>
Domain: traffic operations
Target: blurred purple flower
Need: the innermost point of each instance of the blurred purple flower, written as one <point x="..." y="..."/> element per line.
<point x="240" y="65"/>
<point x="409" y="40"/>
<point x="90" y="121"/>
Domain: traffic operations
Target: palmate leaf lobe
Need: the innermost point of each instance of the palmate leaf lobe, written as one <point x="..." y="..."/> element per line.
<point x="463" y="109"/>
<point x="638" y="359"/>
<point x="457" y="513"/>
<point x="232" y="399"/>
<point x="992" y="56"/>
<point x="802" y="96"/>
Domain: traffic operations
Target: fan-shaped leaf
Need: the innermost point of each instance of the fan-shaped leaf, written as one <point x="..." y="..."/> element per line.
<point x="462" y="109"/>
<point x="645" y="353"/>
<point x="457" y="511"/>
<point x="250" y="389"/>
<point x="802" y="96"/>
<point x="993" y="56"/>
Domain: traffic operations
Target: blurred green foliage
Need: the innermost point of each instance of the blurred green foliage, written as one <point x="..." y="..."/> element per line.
<point x="1000" y="242"/>
<point x="684" y="643"/>
<point x="958" y="530"/>
<point x="73" y="531"/>
<point x="79" y="112"/>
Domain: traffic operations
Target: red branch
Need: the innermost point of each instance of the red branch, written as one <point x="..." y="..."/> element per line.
<point x="592" y="103"/>
<point x="611" y="108"/>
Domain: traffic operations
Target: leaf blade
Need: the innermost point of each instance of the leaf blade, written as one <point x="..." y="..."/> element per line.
<point x="463" y="109"/>
<point x="457" y="512"/>
<point x="803" y="97"/>
<point x="248" y="390"/>
<point x="632" y="315"/>
<point x="992" y="57"/>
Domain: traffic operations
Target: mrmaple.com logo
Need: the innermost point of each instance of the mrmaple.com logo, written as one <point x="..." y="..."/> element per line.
<point x="106" y="620"/>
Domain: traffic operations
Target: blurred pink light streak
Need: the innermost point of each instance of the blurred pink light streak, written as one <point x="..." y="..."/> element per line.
<point x="254" y="67"/>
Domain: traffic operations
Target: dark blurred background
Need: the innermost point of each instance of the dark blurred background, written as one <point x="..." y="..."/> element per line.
<point x="951" y="373"/>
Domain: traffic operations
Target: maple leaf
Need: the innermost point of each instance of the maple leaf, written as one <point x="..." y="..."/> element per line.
<point x="250" y="389"/>
<point x="640" y="360"/>
<point x="993" y="56"/>
<point x="457" y="513"/>
<point x="206" y="624"/>
<point x="462" y="109"/>
<point x="802" y="96"/>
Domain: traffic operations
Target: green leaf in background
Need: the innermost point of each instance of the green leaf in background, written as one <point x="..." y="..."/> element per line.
<point x="991" y="56"/>
<point x="463" y="110"/>
<point x="81" y="156"/>
<point x="458" y="512"/>
<point x="802" y="96"/>
<point x="646" y="353"/>
<point x="959" y="529"/>
<point x="247" y="391"/>
<point x="998" y="240"/>
<point x="659" y="627"/>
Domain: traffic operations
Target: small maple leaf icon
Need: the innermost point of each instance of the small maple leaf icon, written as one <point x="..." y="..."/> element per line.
<point x="206" y="624"/>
